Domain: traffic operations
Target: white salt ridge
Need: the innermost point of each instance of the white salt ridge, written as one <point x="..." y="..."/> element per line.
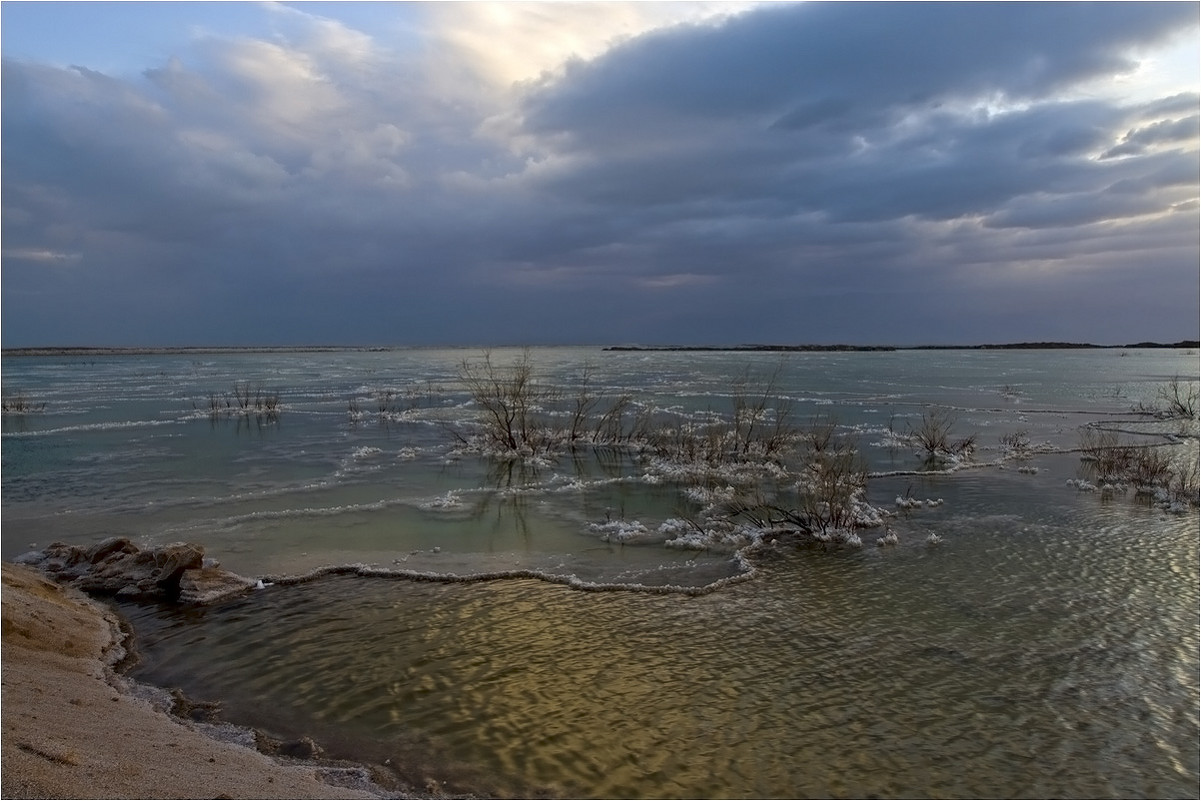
<point x="892" y="440"/>
<point x="1162" y="499"/>
<point x="713" y="539"/>
<point x="623" y="531"/>
<point x="746" y="572"/>
<point x="915" y="503"/>
<point x="450" y="500"/>
<point x="707" y="496"/>
<point x="577" y="484"/>
<point x="114" y="426"/>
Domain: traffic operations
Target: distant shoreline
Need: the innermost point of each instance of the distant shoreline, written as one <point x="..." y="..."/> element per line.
<point x="185" y="350"/>
<point x="859" y="348"/>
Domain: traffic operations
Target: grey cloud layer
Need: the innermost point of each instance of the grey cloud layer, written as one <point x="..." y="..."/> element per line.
<point x="860" y="172"/>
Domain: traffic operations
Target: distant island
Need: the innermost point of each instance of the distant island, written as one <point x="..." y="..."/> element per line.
<point x="840" y="348"/>
<point x="85" y="350"/>
<point x="183" y="350"/>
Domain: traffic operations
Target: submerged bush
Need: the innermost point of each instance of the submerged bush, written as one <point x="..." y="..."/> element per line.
<point x="933" y="436"/>
<point x="508" y="399"/>
<point x="1119" y="465"/>
<point x="1178" y="399"/>
<point x="521" y="416"/>
<point x="816" y="479"/>
<point x="390" y="404"/>
<point x="17" y="403"/>
<point x="1016" y="444"/>
<point x="245" y="401"/>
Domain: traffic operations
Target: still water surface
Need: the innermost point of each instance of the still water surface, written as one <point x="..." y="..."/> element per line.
<point x="1048" y="647"/>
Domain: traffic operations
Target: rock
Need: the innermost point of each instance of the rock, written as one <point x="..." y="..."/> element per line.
<point x="111" y="546"/>
<point x="304" y="748"/>
<point x="208" y="584"/>
<point x="118" y="567"/>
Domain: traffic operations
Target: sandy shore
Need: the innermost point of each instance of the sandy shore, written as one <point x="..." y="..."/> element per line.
<point x="73" y="729"/>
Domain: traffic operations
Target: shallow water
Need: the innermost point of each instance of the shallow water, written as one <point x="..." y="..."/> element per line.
<point x="1048" y="647"/>
<point x="1049" y="656"/>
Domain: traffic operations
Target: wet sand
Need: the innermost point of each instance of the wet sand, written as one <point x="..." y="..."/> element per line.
<point x="72" y="728"/>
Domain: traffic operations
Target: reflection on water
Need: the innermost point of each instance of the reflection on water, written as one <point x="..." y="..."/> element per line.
<point x="1049" y="655"/>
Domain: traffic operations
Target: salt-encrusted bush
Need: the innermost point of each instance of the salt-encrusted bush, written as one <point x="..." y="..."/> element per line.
<point x="1120" y="465"/>
<point x="933" y="436"/>
<point x="775" y="477"/>
<point x="521" y="416"/>
<point x="246" y="400"/>
<point x="1177" y="399"/>
<point x="507" y="398"/>
<point x="1111" y="457"/>
<point x="18" y="403"/>
<point x="824" y="500"/>
<point x="1016" y="444"/>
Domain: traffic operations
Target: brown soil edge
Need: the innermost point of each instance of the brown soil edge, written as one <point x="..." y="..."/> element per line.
<point x="73" y="727"/>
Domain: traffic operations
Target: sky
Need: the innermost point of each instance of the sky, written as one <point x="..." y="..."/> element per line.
<point x="237" y="173"/>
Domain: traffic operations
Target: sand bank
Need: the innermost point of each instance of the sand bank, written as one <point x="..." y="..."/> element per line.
<point x="71" y="728"/>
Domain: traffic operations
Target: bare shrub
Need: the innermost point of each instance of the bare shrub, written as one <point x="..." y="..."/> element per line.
<point x="821" y="501"/>
<point x="1016" y="443"/>
<point x="585" y="402"/>
<point x="18" y="403"/>
<point x="521" y="416"/>
<point x="820" y="435"/>
<point x="1150" y="467"/>
<point x="1184" y="485"/>
<point x="1175" y="400"/>
<point x="245" y="400"/>
<point x="1111" y="457"/>
<point x="508" y="398"/>
<point x="828" y="486"/>
<point x="385" y="401"/>
<point x="610" y="427"/>
<point x="933" y="436"/>
<point x="761" y="420"/>
<point x="1178" y="399"/>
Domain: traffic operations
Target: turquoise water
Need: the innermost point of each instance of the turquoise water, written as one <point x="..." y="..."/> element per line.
<point x="1046" y="648"/>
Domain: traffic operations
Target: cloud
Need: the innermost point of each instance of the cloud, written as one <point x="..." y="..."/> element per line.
<point x="1161" y="132"/>
<point x="41" y="255"/>
<point x="602" y="171"/>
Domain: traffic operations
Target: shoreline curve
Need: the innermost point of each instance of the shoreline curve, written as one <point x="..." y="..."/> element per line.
<point x="73" y="727"/>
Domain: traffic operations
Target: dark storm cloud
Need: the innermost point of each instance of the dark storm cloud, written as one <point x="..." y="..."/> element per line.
<point x="816" y="172"/>
<point x="846" y="66"/>
<point x="802" y="119"/>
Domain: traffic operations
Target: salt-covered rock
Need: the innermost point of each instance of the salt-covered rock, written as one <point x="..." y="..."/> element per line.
<point x="118" y="567"/>
<point x="209" y="584"/>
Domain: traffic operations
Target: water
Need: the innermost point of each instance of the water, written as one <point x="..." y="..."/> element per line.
<point x="1048" y="647"/>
